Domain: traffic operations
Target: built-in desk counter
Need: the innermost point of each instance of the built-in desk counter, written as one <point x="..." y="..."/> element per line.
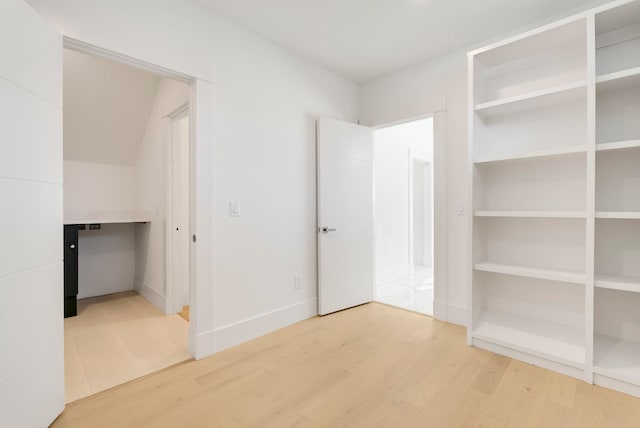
<point x="81" y="221"/>
<point x="105" y="217"/>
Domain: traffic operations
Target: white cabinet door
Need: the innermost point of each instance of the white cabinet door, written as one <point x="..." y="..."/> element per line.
<point x="31" y="289"/>
<point x="345" y="215"/>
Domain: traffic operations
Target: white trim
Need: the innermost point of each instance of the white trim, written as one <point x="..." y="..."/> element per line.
<point x="439" y="236"/>
<point x="202" y="255"/>
<point x="471" y="62"/>
<point x="228" y="336"/>
<point x="178" y="112"/>
<point x="616" y="384"/>
<point x="589" y="293"/>
<point x="440" y="307"/>
<point x="528" y="357"/>
<point x="407" y="120"/>
<point x="94" y="50"/>
<point x="410" y="211"/>
<point x="456" y="314"/>
<point x="154" y="297"/>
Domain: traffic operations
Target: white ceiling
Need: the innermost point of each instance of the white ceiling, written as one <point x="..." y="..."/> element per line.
<point x="365" y="39"/>
<point x="106" y="108"/>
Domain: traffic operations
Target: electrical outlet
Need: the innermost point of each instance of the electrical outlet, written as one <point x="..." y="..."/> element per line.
<point x="297" y="283"/>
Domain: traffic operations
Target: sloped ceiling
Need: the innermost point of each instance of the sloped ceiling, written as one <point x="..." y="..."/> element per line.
<point x="106" y="108"/>
<point x="366" y="39"/>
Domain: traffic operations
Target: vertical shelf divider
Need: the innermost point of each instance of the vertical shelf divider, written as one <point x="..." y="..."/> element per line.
<point x="471" y="118"/>
<point x="591" y="196"/>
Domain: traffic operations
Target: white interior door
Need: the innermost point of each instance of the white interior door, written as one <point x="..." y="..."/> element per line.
<point x="31" y="231"/>
<point x="180" y="188"/>
<point x="345" y="215"/>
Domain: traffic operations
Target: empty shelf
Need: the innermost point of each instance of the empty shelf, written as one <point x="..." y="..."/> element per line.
<point x="532" y="214"/>
<point x="618" y="145"/>
<point x="616" y="358"/>
<point x="544" y="339"/>
<point x="532" y="155"/>
<point x="530" y="272"/>
<point x="617" y="282"/>
<point x="620" y="215"/>
<point x="619" y="80"/>
<point x="560" y="94"/>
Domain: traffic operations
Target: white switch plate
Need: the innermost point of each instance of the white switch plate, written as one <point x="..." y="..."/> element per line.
<point x="461" y="209"/>
<point x="297" y="283"/>
<point x="234" y="209"/>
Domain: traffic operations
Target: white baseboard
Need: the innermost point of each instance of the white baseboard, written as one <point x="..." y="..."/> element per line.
<point x="454" y="314"/>
<point x="457" y="314"/>
<point x="221" y="338"/>
<point x="440" y="310"/>
<point x="156" y="299"/>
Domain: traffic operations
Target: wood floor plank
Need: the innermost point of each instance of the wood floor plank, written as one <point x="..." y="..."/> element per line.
<point x="492" y="374"/>
<point x="555" y="415"/>
<point x="562" y="390"/>
<point x="117" y="338"/>
<point x="531" y="398"/>
<point x="371" y="366"/>
<point x="76" y="384"/>
<point x="504" y="398"/>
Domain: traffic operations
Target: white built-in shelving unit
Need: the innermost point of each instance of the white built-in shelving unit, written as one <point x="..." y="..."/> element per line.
<point x="554" y="120"/>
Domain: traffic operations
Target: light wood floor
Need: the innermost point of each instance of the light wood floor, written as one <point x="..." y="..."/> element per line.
<point x="371" y="366"/>
<point x="184" y="313"/>
<point x="117" y="338"/>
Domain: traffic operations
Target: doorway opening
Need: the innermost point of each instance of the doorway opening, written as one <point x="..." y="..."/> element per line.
<point x="127" y="206"/>
<point x="404" y="215"/>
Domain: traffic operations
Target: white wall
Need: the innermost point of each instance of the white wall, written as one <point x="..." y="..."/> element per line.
<point x="392" y="148"/>
<point x="150" y="190"/>
<point x="108" y="131"/>
<point x="94" y="188"/>
<point x="266" y="102"/>
<point x="106" y="260"/>
<point x="106" y="257"/>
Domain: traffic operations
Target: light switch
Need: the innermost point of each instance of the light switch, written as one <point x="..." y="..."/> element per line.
<point x="234" y="209"/>
<point x="461" y="209"/>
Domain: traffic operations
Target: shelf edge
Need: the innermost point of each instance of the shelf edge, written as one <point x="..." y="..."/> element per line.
<point x="487" y="106"/>
<point x="534" y="155"/>
<point x="548" y="274"/>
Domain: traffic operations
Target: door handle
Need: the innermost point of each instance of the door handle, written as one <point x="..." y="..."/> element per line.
<point x="326" y="230"/>
<point x="72" y="246"/>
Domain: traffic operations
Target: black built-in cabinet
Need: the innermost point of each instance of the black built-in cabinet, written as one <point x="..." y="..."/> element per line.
<point x="70" y="270"/>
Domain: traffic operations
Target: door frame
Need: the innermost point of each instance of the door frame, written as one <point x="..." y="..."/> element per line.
<point x="201" y="102"/>
<point x="173" y="300"/>
<point x="439" y="175"/>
